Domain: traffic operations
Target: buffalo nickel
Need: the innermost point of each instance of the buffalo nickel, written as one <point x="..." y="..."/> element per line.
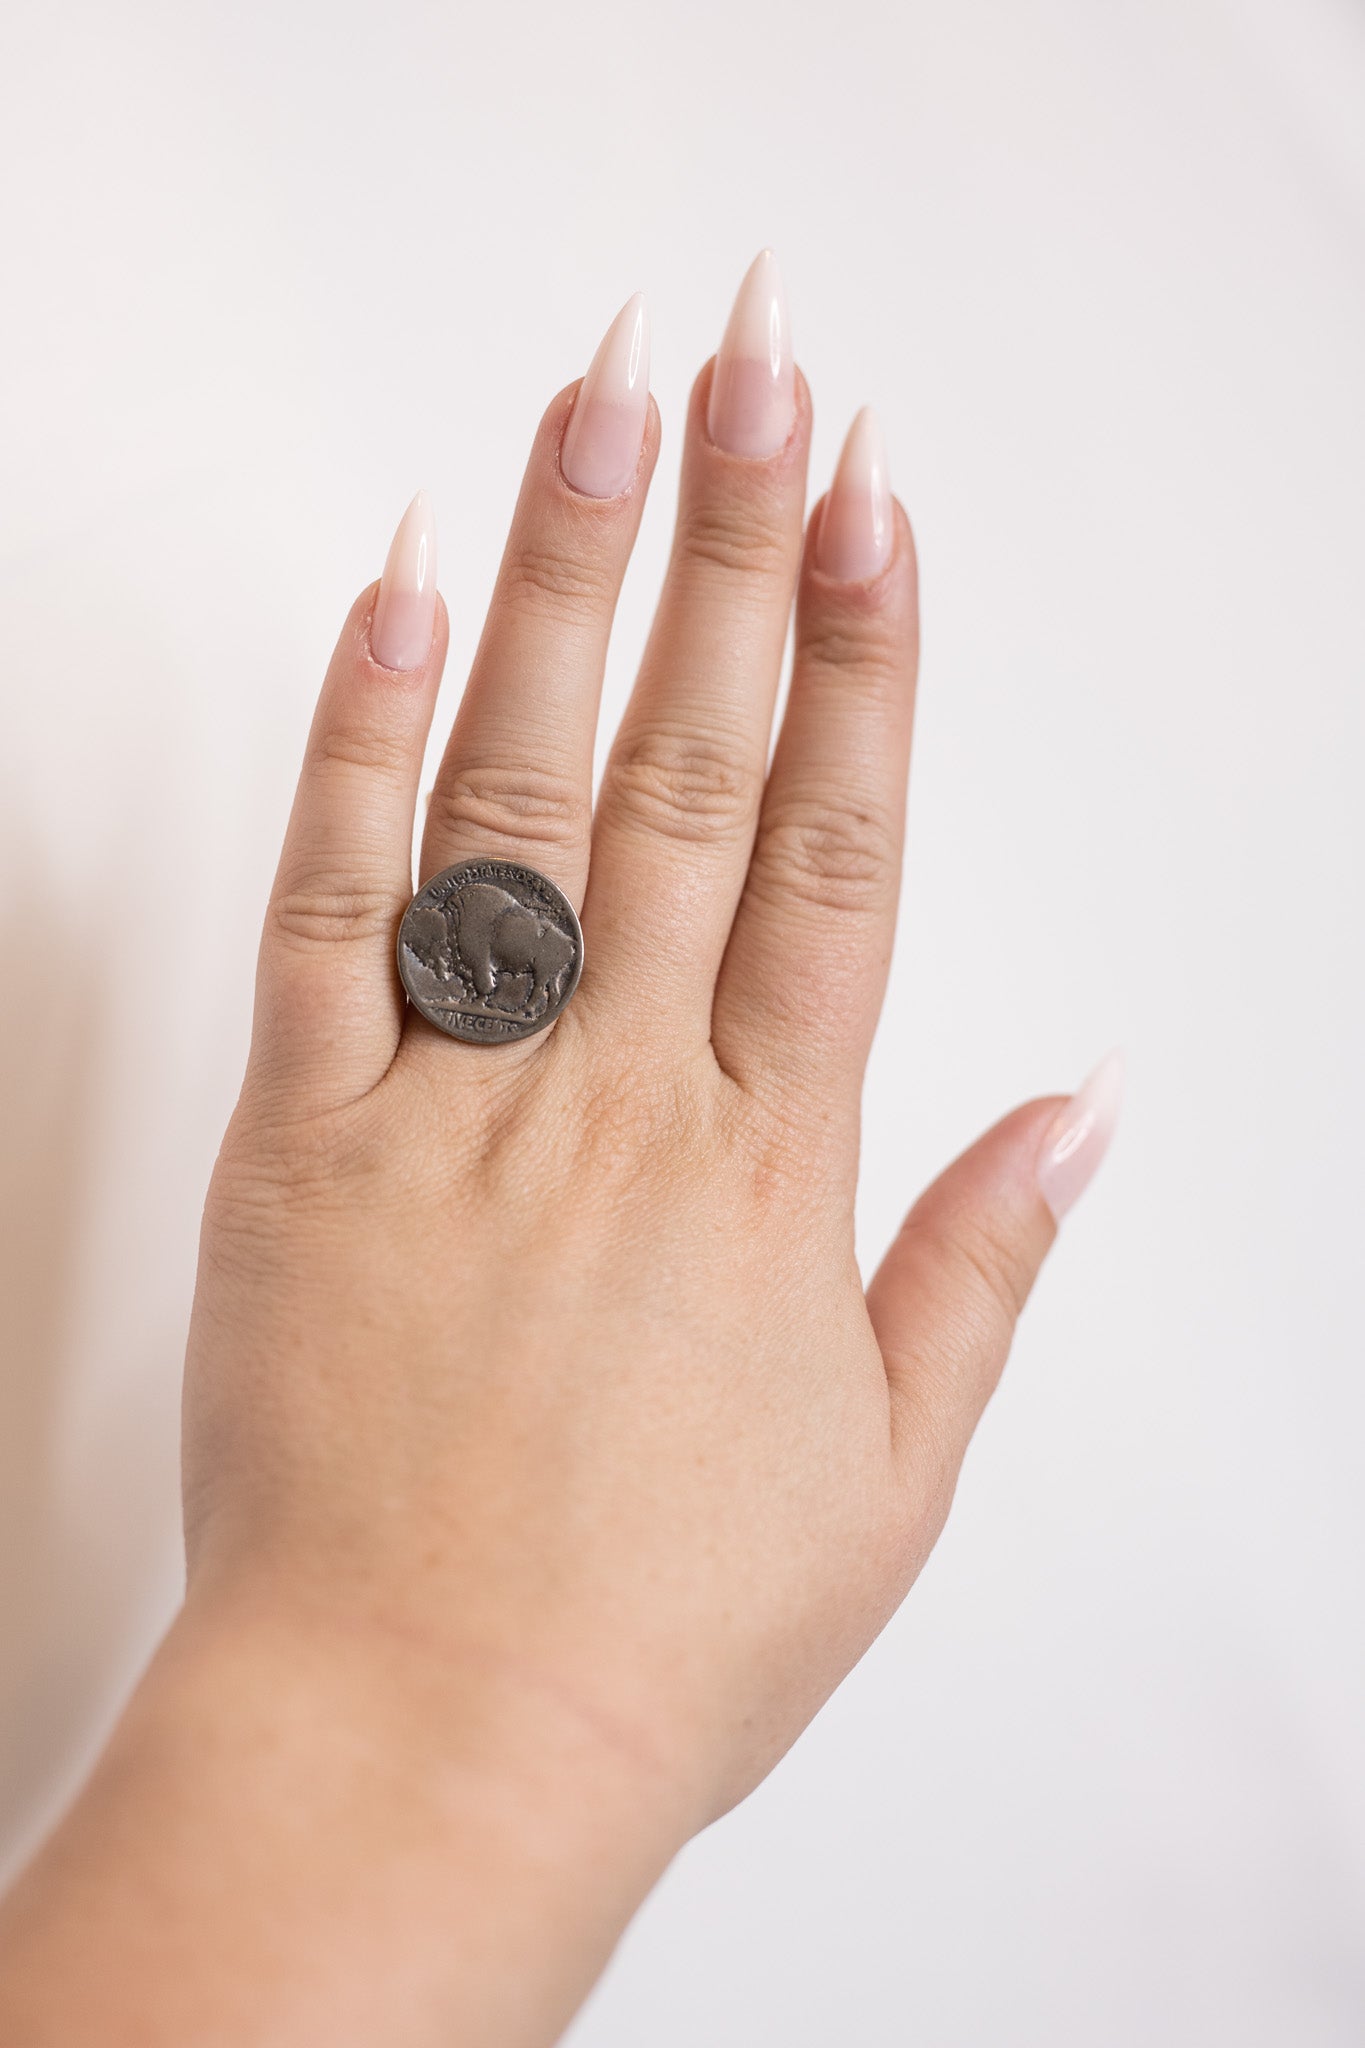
<point x="489" y="950"/>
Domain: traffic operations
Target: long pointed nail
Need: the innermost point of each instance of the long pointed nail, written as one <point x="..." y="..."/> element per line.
<point x="1078" y="1136"/>
<point x="855" y="536"/>
<point x="752" y="407"/>
<point x="405" y="609"/>
<point x="601" y="448"/>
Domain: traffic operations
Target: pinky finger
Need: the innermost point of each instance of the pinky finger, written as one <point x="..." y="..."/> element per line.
<point x="329" y="1008"/>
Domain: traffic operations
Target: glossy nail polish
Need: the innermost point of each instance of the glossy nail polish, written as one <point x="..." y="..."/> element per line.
<point x="405" y="609"/>
<point x="855" y="537"/>
<point x="752" y="406"/>
<point x="601" y="448"/>
<point x="1079" y="1135"/>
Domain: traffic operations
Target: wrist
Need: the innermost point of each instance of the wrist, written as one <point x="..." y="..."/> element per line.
<point x="481" y="1737"/>
<point x="349" y="1838"/>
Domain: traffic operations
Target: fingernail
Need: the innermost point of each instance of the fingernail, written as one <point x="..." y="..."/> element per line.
<point x="753" y="387"/>
<point x="1078" y="1137"/>
<point x="601" y="448"/>
<point x="855" y="534"/>
<point x="405" y="609"/>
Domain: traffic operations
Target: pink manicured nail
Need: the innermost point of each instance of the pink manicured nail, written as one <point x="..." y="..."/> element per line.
<point x="753" y="387"/>
<point x="855" y="534"/>
<point x="405" y="609"/>
<point x="1079" y="1135"/>
<point x="601" y="448"/>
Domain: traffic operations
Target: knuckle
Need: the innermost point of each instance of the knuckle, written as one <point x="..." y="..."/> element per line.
<point x="947" y="1369"/>
<point x="687" y="785"/>
<point x="274" y="1157"/>
<point x="789" y="1163"/>
<point x="325" y="908"/>
<point x="344" y="750"/>
<point x="556" y="584"/>
<point x="833" y="856"/>
<point x="853" y="650"/>
<point x="738" y="538"/>
<point x="990" y="1265"/>
<point x="649" y="1103"/>
<point x="514" y="803"/>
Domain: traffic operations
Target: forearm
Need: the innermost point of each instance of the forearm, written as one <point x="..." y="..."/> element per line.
<point x="289" y="1842"/>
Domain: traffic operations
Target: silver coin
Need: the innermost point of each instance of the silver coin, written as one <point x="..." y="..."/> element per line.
<point x="489" y="950"/>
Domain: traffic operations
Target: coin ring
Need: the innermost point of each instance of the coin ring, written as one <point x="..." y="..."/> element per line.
<point x="489" y="950"/>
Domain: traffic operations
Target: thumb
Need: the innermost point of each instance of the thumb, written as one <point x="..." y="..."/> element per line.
<point x="946" y="1298"/>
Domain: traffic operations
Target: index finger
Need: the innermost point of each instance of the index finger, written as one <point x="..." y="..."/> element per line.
<point x="329" y="1008"/>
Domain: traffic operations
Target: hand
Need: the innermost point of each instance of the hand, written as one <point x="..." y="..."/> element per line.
<point x="534" y="1403"/>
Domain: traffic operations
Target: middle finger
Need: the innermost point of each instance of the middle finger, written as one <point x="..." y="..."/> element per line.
<point x="680" y="795"/>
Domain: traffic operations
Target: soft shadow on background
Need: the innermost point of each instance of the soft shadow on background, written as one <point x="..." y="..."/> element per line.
<point x="78" y="1538"/>
<point x="114" y="945"/>
<point x="47" y="1088"/>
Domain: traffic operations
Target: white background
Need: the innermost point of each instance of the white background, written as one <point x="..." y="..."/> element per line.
<point x="1102" y="270"/>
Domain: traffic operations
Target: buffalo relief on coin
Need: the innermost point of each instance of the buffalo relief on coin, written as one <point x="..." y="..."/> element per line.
<point x="489" y="950"/>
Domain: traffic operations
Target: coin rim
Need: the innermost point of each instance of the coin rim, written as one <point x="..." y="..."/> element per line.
<point x="513" y="868"/>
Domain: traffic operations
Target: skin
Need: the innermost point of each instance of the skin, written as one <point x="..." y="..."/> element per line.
<point x="546" y="1463"/>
